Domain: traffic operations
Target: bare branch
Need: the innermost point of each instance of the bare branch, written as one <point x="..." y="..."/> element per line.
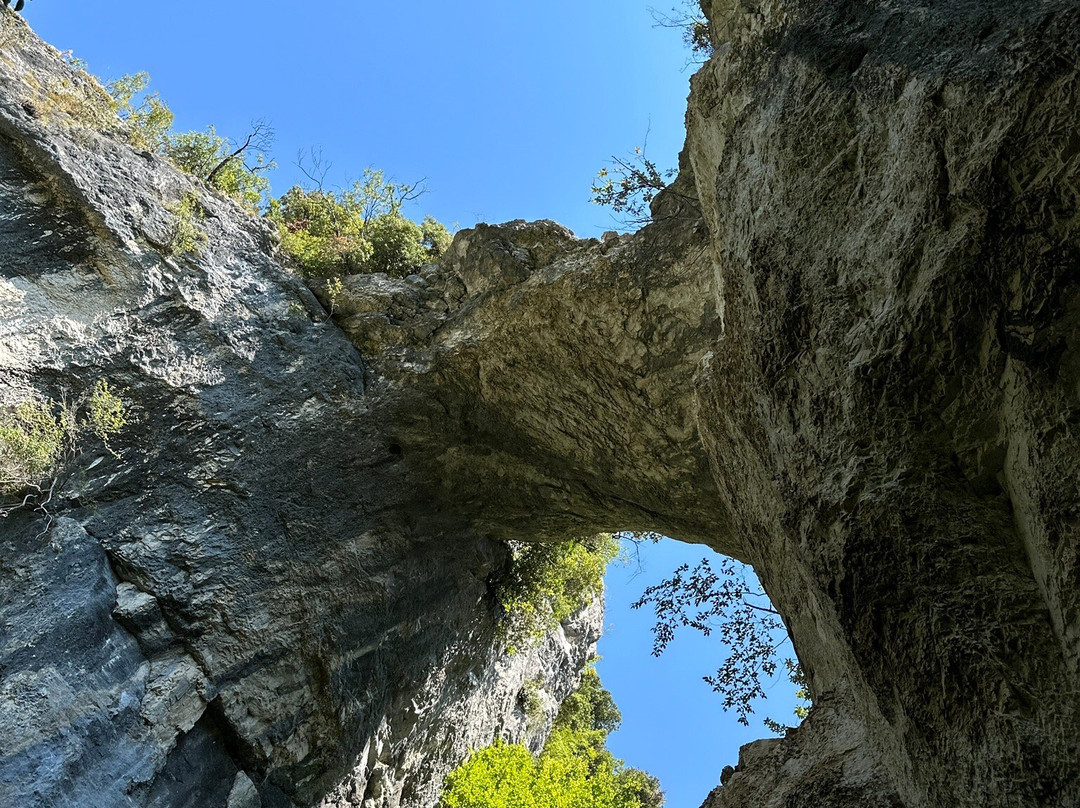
<point x="258" y="137"/>
<point x="320" y="167"/>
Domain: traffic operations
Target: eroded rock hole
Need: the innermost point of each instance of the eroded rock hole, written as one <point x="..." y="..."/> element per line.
<point x="691" y="648"/>
<point x="723" y="658"/>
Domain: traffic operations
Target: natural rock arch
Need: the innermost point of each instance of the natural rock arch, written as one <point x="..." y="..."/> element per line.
<point x="846" y="353"/>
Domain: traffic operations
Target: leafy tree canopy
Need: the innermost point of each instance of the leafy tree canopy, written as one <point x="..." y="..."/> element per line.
<point x="546" y="583"/>
<point x="575" y="770"/>
<point x="723" y="601"/>
<point x="359" y="229"/>
<point x="327" y="234"/>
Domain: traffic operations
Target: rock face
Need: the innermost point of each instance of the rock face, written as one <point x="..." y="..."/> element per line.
<point x="893" y="411"/>
<point x="847" y="352"/>
<point x="256" y="604"/>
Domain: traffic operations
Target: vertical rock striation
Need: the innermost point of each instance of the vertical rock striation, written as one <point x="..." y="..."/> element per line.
<point x="891" y="189"/>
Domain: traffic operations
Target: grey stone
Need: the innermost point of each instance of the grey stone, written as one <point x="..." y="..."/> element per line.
<point x="257" y="587"/>
<point x="845" y="352"/>
<point x="243" y="793"/>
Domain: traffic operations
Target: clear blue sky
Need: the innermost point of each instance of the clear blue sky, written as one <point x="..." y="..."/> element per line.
<point x="508" y="110"/>
<point x="673" y="723"/>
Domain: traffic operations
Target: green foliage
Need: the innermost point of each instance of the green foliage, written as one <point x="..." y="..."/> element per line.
<point x="498" y="776"/>
<point x="105" y="413"/>
<point x="590" y="707"/>
<point x="575" y="770"/>
<point x="358" y="230"/>
<point x="37" y="438"/>
<point x="698" y="37"/>
<point x="797" y="677"/>
<point x="150" y="120"/>
<point x="690" y="20"/>
<point x="74" y="62"/>
<point x="206" y="155"/>
<point x="532" y="701"/>
<point x="334" y="290"/>
<point x="706" y="601"/>
<point x="629" y="186"/>
<point x="396" y="245"/>
<point x="434" y="236"/>
<point x="319" y="234"/>
<point x="32" y="438"/>
<point x="209" y="156"/>
<point x="546" y="583"/>
<point x="186" y="236"/>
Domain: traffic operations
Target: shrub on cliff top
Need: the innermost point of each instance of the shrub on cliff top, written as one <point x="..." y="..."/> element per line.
<point x="357" y="230"/>
<point x="236" y="169"/>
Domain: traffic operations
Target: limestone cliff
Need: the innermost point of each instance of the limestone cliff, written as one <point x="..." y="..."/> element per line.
<point x="893" y="412"/>
<point x="255" y="604"/>
<point x="846" y="352"/>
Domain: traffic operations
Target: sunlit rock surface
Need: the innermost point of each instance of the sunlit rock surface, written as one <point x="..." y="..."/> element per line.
<point x="257" y="603"/>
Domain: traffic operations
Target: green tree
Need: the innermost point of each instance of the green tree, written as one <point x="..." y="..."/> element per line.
<point x="360" y="229"/>
<point x="546" y="583"/>
<point x="148" y="118"/>
<point x="397" y="246"/>
<point x="434" y="236"/>
<point x="575" y="769"/>
<point x="498" y="776"/>
<point x="590" y="707"/>
<point x="223" y="164"/>
<point x="321" y="236"/>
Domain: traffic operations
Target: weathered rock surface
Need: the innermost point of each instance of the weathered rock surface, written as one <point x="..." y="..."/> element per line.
<point x="893" y="412"/>
<point x="256" y="604"/>
<point x="846" y="353"/>
<point x="824" y="762"/>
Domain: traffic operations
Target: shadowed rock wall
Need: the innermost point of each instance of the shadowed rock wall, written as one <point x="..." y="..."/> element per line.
<point x="891" y="189"/>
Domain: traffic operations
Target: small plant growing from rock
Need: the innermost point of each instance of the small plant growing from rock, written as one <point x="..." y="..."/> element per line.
<point x="532" y="701"/>
<point x="797" y="677"/>
<point x="688" y="19"/>
<point x="334" y="290"/>
<point x="106" y="414"/>
<point x="629" y="186"/>
<point x="41" y="440"/>
<point x="33" y="436"/>
<point x="186" y="236"/>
